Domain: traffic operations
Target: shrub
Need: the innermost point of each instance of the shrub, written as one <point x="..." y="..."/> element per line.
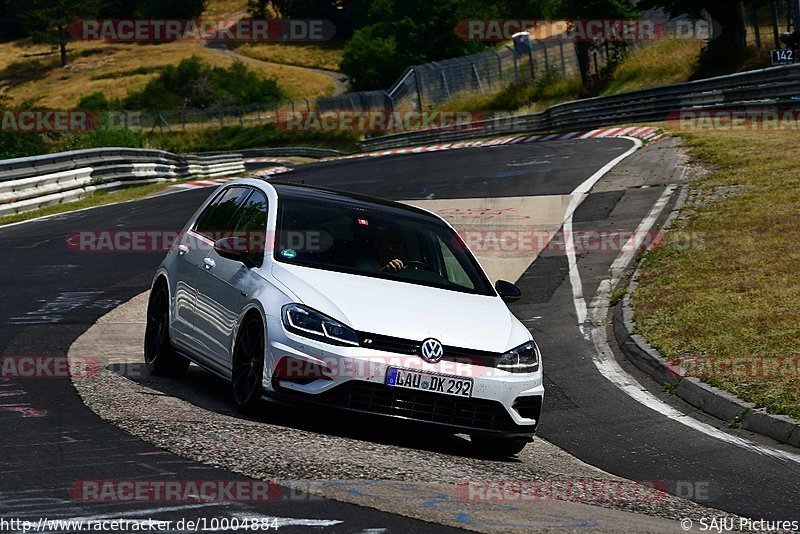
<point x="195" y="84"/>
<point x="103" y="138"/>
<point x="97" y="101"/>
<point x="16" y="144"/>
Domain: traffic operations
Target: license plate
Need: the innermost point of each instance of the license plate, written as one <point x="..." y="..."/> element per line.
<point x="448" y="385"/>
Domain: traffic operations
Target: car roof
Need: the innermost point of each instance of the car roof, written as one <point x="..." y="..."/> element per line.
<point x="297" y="191"/>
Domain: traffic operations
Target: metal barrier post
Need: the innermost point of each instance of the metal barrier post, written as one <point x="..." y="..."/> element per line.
<point x="419" y="91"/>
<point x="530" y="57"/>
<point x="775" y="30"/>
<point x="516" y="68"/>
<point x="477" y="78"/>
<point x="444" y="81"/>
<point x="546" y="60"/>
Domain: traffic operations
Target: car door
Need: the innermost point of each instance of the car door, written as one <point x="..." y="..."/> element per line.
<point x="187" y="263"/>
<point x="226" y="284"/>
<point x="192" y="251"/>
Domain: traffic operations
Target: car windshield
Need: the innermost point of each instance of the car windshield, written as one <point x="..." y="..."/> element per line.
<point x="377" y="242"/>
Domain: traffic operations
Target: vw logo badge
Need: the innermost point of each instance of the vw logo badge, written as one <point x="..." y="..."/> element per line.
<point x="431" y="350"/>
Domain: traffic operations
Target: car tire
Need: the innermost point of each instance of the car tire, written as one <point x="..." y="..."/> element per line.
<point x="248" y="364"/>
<point x="159" y="355"/>
<point x="498" y="447"/>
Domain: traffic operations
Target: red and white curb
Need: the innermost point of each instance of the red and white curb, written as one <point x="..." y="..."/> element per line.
<point x="267" y="160"/>
<point x="648" y="134"/>
<point x="269" y="172"/>
<point x="199" y="184"/>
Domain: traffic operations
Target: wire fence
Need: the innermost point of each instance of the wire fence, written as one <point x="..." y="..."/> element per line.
<point x="420" y="87"/>
<point x="434" y="84"/>
<point x="197" y="119"/>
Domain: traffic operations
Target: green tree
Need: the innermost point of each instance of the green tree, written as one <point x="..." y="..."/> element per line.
<point x="592" y="9"/>
<point x="10" y="24"/>
<point x="727" y="13"/>
<point x="168" y="9"/>
<point x="18" y="144"/>
<point x="118" y="9"/>
<point x="723" y="53"/>
<point x="258" y="8"/>
<point x="402" y="33"/>
<point x="151" y="9"/>
<point x="47" y="21"/>
<point x="370" y="59"/>
<point x="346" y="15"/>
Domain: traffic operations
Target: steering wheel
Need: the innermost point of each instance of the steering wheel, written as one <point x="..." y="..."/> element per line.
<point x="418" y="265"/>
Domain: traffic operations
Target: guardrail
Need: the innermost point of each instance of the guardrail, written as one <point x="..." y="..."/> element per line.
<point x="775" y="86"/>
<point x="30" y="183"/>
<point x="35" y="182"/>
<point x="289" y="151"/>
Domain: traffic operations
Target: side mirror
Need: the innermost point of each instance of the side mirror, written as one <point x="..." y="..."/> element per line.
<point x="507" y="291"/>
<point x="236" y="249"/>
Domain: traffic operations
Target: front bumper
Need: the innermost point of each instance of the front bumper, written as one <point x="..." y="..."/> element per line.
<point x="353" y="379"/>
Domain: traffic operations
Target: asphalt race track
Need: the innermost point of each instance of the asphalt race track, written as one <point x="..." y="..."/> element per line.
<point x="51" y="295"/>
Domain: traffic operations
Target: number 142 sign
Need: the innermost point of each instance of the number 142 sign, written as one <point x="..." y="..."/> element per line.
<point x="785" y="56"/>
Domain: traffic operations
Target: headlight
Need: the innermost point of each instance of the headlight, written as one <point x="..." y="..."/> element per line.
<point x="523" y="359"/>
<point x="307" y="322"/>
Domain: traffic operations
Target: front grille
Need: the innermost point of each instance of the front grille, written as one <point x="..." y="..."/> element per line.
<point x="398" y="345"/>
<point x="478" y="414"/>
<point x="389" y="343"/>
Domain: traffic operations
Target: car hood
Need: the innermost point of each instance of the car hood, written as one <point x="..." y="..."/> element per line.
<point x="405" y="310"/>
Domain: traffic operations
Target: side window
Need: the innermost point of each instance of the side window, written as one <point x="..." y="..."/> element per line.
<point x="250" y="222"/>
<point x="455" y="271"/>
<point x="213" y="223"/>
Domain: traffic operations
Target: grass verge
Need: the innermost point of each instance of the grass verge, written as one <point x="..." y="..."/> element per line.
<point x="241" y="137"/>
<point x="98" y="198"/>
<point x="516" y="96"/>
<point x="729" y="296"/>
<point x="315" y="55"/>
<point x="663" y="62"/>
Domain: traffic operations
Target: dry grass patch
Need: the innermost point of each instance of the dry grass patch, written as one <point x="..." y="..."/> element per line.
<point x="734" y="293"/>
<point x="664" y="62"/>
<point x="114" y="69"/>
<point x="321" y="56"/>
<point x="225" y="9"/>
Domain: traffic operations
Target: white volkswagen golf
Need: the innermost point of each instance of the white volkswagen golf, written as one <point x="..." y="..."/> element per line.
<point x="309" y="295"/>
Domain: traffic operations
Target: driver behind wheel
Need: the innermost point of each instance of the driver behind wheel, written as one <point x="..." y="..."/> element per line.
<point x="387" y="250"/>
